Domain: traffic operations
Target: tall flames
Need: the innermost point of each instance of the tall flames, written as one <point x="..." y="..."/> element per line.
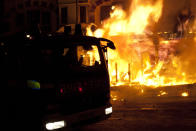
<point x="142" y="56"/>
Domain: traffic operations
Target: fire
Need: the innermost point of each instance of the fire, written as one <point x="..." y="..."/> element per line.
<point x="142" y="55"/>
<point x="114" y="97"/>
<point x="162" y="93"/>
<point x="185" y="94"/>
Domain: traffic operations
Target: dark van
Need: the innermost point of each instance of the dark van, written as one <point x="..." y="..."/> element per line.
<point x="55" y="81"/>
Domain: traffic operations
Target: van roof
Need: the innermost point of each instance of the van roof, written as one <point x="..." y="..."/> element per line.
<point x="54" y="40"/>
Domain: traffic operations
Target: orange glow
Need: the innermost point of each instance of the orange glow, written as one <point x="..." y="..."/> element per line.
<point x="161" y="93"/>
<point x="185" y="94"/>
<point x="114" y="97"/>
<point x="142" y="56"/>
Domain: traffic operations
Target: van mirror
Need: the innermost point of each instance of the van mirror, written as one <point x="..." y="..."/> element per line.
<point x="110" y="44"/>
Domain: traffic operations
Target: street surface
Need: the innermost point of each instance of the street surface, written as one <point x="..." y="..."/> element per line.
<point x="149" y="110"/>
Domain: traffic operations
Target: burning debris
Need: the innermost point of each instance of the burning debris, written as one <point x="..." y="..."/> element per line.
<point x="124" y="92"/>
<point x="145" y="56"/>
<point x="162" y="93"/>
<point x="185" y="94"/>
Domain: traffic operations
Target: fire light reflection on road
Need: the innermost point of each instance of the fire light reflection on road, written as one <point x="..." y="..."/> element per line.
<point x="122" y="93"/>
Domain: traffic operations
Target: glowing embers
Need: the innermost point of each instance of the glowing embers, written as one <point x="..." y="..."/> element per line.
<point x="162" y="93"/>
<point x="184" y="94"/>
<point x="108" y="110"/>
<point x="55" y="125"/>
<point x="114" y="97"/>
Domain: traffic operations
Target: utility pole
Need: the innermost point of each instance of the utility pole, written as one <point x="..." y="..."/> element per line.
<point x="76" y="11"/>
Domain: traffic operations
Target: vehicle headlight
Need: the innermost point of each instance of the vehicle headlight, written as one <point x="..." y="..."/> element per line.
<point x="108" y="110"/>
<point x="55" y="125"/>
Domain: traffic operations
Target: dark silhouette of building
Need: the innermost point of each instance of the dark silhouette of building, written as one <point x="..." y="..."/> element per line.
<point x="21" y="15"/>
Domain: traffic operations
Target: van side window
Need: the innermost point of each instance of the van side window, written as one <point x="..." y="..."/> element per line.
<point x="88" y="56"/>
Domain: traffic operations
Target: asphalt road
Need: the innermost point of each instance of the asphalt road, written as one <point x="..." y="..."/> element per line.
<point x="147" y="110"/>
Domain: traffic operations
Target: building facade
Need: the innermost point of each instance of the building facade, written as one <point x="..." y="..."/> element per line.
<point x="19" y="15"/>
<point x="84" y="12"/>
<point x="88" y="11"/>
<point x="73" y="11"/>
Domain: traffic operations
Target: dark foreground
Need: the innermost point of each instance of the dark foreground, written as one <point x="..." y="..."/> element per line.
<point x="134" y="110"/>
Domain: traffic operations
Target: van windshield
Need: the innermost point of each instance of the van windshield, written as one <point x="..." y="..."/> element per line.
<point x="88" y="56"/>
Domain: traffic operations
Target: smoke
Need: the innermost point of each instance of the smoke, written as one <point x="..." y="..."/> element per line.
<point x="171" y="10"/>
<point x="186" y="53"/>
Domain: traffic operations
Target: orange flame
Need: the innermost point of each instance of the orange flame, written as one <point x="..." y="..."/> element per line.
<point x="184" y="94"/>
<point x="141" y="56"/>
